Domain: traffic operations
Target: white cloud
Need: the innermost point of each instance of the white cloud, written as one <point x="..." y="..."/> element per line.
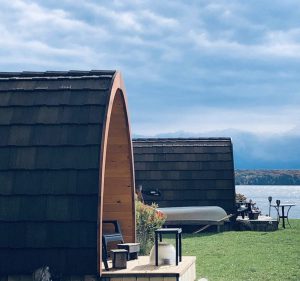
<point x="283" y="43"/>
<point x="139" y="20"/>
<point x="280" y="36"/>
<point x="29" y="17"/>
<point x="123" y="20"/>
<point x="179" y="48"/>
<point x="158" y="20"/>
<point x="193" y="66"/>
<point x="273" y="45"/>
<point x="46" y="37"/>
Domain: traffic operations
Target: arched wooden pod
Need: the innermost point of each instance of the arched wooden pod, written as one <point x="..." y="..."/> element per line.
<point x="186" y="172"/>
<point x="66" y="164"/>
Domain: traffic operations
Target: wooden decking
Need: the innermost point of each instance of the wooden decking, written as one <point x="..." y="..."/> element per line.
<point x="263" y="223"/>
<point x="137" y="270"/>
<point x="140" y="270"/>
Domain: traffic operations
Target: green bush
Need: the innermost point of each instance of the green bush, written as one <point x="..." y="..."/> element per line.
<point x="148" y="219"/>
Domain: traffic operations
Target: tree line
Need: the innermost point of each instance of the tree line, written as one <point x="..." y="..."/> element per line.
<point x="267" y="177"/>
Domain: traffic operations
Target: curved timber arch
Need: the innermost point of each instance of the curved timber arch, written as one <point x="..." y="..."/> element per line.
<point x="117" y="171"/>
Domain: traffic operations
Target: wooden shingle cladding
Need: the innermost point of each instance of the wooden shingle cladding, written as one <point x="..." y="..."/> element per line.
<point x="58" y="135"/>
<point x="187" y="172"/>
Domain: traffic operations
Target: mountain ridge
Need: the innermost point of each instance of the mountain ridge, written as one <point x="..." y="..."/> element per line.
<point x="254" y="151"/>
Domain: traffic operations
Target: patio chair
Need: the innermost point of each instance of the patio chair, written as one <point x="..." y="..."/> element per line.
<point x="115" y="236"/>
<point x="243" y="209"/>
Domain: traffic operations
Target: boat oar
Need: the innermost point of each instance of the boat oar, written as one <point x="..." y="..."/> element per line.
<point x="207" y="226"/>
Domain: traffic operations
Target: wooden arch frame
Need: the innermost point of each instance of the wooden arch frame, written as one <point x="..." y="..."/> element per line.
<point x="116" y="175"/>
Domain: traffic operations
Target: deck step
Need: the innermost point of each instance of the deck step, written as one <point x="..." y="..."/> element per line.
<point x="141" y="270"/>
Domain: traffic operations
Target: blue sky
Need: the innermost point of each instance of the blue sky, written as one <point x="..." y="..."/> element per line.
<point x="191" y="68"/>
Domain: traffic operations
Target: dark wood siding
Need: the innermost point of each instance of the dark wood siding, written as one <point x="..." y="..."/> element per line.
<point x="187" y="172"/>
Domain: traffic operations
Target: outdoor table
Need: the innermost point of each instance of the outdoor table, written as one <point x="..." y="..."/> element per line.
<point x="283" y="215"/>
<point x="177" y="231"/>
<point x="119" y="259"/>
<point x="132" y="248"/>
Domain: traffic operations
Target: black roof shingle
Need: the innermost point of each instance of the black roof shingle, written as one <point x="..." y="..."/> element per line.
<point x="50" y="141"/>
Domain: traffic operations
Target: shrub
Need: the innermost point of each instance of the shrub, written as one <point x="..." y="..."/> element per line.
<point x="239" y="197"/>
<point x="148" y="219"/>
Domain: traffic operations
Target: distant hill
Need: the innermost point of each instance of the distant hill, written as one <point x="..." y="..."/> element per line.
<point x="267" y="177"/>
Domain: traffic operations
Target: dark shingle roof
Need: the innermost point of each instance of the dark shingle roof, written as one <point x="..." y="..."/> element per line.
<point x="187" y="172"/>
<point x="50" y="138"/>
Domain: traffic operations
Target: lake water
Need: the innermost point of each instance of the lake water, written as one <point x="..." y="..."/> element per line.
<point x="260" y="194"/>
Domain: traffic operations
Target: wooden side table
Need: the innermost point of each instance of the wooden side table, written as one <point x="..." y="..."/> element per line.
<point x="132" y="248"/>
<point x="178" y="235"/>
<point x="119" y="259"/>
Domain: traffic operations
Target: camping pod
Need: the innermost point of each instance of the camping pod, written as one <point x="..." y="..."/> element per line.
<point x="65" y="166"/>
<point x="186" y="172"/>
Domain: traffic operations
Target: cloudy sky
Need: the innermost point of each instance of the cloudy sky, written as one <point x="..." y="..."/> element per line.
<point x="191" y="68"/>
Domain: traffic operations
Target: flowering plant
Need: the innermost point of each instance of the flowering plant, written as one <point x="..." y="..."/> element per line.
<point x="148" y="219"/>
<point x="239" y="197"/>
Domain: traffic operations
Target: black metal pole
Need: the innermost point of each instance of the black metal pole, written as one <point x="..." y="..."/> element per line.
<point x="270" y="200"/>
<point x="177" y="248"/>
<point x="156" y="248"/>
<point x="283" y="217"/>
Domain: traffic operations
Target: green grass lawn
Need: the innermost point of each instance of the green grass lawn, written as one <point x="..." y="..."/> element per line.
<point x="246" y="255"/>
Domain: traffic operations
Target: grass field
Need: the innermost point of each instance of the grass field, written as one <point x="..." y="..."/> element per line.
<point x="246" y="255"/>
